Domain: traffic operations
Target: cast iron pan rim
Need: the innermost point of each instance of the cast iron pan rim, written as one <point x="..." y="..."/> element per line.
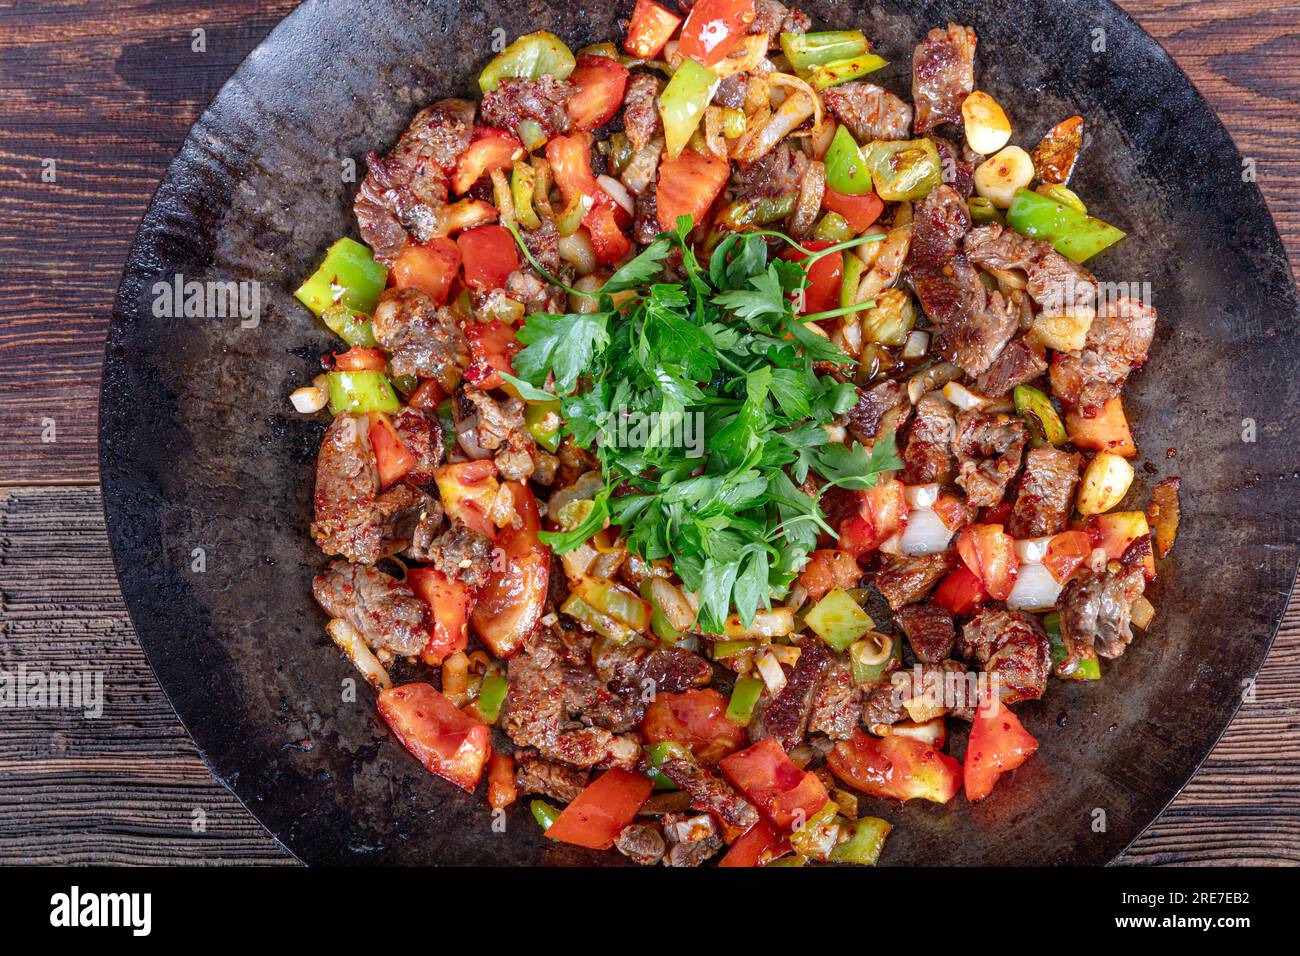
<point x="122" y="312"/>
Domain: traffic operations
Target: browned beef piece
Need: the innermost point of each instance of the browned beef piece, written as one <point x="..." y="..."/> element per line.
<point x="837" y="704"/>
<point x="1012" y="648"/>
<point x="988" y="450"/>
<point x="421" y="339"/>
<point x="386" y="612"/>
<point x="1118" y="342"/>
<point x="535" y="775"/>
<point x="906" y="580"/>
<point x="710" y="793"/>
<point x="691" y="839"/>
<point x="1097" y="605"/>
<point x="732" y="90"/>
<point x="881" y="408"/>
<point x="1022" y="361"/>
<point x="930" y="690"/>
<point x="929" y="631"/>
<point x="869" y="111"/>
<point x="957" y="164"/>
<point x="421" y="434"/>
<point x="544" y="244"/>
<point x="927" y="457"/>
<point x="640" y="109"/>
<point x="641" y="843"/>
<point x="939" y="223"/>
<point x="774" y="18"/>
<point x="406" y="190"/>
<point x="347" y="484"/>
<point x="537" y="295"/>
<point x="486" y="425"/>
<point x="943" y="75"/>
<point x="786" y="717"/>
<point x="632" y="674"/>
<point x="462" y="552"/>
<point x="542" y="100"/>
<point x="1046" y="493"/>
<point x="1059" y="286"/>
<point x="779" y="173"/>
<point x="646" y="224"/>
<point x="418" y="526"/>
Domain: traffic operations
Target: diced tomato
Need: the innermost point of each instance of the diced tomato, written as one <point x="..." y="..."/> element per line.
<point x="1065" y="552"/>
<point x="895" y="767"/>
<point x="512" y="600"/>
<point x="759" y="845"/>
<point x="990" y="553"/>
<point x="829" y="568"/>
<point x="449" y="598"/>
<point x="782" y="792"/>
<point x="882" y="513"/>
<point x="1106" y="431"/>
<point x="430" y="267"/>
<point x="608" y="241"/>
<point x="960" y="593"/>
<point x="696" y="719"/>
<point x="998" y="743"/>
<point x="570" y="161"/>
<point x="650" y="28"/>
<point x="468" y="489"/>
<point x="825" y="277"/>
<point x="953" y="512"/>
<point x="1115" y="531"/>
<point x="599" y="82"/>
<point x="488" y="149"/>
<point x="714" y="28"/>
<point x="392" y="457"/>
<point x="491" y="347"/>
<point x="688" y="186"/>
<point x="357" y="359"/>
<point x="447" y="741"/>
<point x="501" y="781"/>
<point x="428" y="395"/>
<point x="860" y="211"/>
<point x="489" y="254"/>
<point x="605" y="807"/>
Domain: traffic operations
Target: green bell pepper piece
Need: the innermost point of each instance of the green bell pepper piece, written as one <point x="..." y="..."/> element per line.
<point x="854" y="269"/>
<point x="523" y="183"/>
<point x="870" y="675"/>
<point x="351" y="326"/>
<point x="838" y="620"/>
<point x="834" y="228"/>
<point x="982" y="211"/>
<point x="744" y="697"/>
<point x="531" y="134"/>
<point x="1036" y="411"/>
<point x="362" y="393"/>
<point x="844" y="71"/>
<point x="683" y="102"/>
<point x="1074" y="235"/>
<point x="348" y="276"/>
<point x="658" y="753"/>
<point x="816" y="838"/>
<point x="789" y="861"/>
<point x="491" y="695"/>
<point x="543" y="421"/>
<point x="807" y="50"/>
<point x="529" y="58"/>
<point x="847" y="170"/>
<point x="544" y="814"/>
<point x="659" y="623"/>
<point x="1089" y="668"/>
<point x="904" y="170"/>
<point x="724" y="649"/>
<point x="866" y="838"/>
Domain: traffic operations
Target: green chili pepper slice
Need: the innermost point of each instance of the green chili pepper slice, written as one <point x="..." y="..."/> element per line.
<point x="866" y="839"/>
<point x="807" y="50"/>
<point x="529" y="58"/>
<point x="683" y="102"/>
<point x="362" y="393"/>
<point x="904" y="170"/>
<point x="724" y="649"/>
<point x="844" y="71"/>
<point x="351" y="326"/>
<point x="543" y="421"/>
<point x="983" y="212"/>
<point x="847" y="170"/>
<point x="348" y="276"/>
<point x="660" y="752"/>
<point x="1074" y="235"/>
<point x="744" y="698"/>
<point x="544" y="814"/>
<point x="833" y="228"/>
<point x="1037" y="411"/>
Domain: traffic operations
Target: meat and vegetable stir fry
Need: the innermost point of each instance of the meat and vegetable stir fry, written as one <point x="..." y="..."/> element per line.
<point x="719" y="430"/>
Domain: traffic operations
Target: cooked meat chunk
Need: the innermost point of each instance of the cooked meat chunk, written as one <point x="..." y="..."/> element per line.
<point x="869" y="111"/>
<point x="484" y="423"/>
<point x="691" y="839"/>
<point x="418" y="526"/>
<point x="988" y="449"/>
<point x="421" y="339"/>
<point x="786" y="717"/>
<point x="347" y="484"/>
<point x="406" y="190"/>
<point x="1117" y="344"/>
<point x="905" y="580"/>
<point x="943" y="75"/>
<point x="957" y="165"/>
<point x="635" y="673"/>
<point x="535" y="775"/>
<point x="1022" y="361"/>
<point x="710" y="793"/>
<point x="731" y="91"/>
<point x="938" y="224"/>
<point x="774" y="18"/>
<point x="544" y="244"/>
<point x="928" y="457"/>
<point x="386" y="612"/>
<point x="922" y="692"/>
<point x="1059" y="286"/>
<point x="837" y="704"/>
<point x="779" y="173"/>
<point x="1046" y="493"/>
<point x="1097" y="605"/>
<point x="641" y="843"/>
<point x="929" y="631"/>
<point x="524" y="285"/>
<point x="646" y="224"/>
<point x="421" y="435"/>
<point x="640" y="109"/>
<point x="1012" y="648"/>
<point x="462" y="552"/>
<point x="542" y="100"/>
<point x="881" y="408"/>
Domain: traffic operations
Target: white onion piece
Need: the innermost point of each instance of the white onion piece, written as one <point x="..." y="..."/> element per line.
<point x="617" y="192"/>
<point x="578" y="250"/>
<point x="894" y="543"/>
<point x="921" y="496"/>
<point x="770" y="670"/>
<point x="308" y="399"/>
<point x="1035" y="589"/>
<point x="918" y="343"/>
<point x="925" y="533"/>
<point x="350" y="641"/>
<point x="1031" y="550"/>
<point x="961" y="396"/>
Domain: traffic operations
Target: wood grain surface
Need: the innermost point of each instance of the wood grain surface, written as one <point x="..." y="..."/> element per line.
<point x="103" y="93"/>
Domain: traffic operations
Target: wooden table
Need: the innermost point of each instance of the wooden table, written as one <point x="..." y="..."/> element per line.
<point x="101" y="94"/>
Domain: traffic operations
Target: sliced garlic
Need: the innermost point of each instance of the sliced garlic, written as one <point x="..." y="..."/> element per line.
<point x="1105" y="482"/>
<point x="308" y="399"/>
<point x="1000" y="177"/>
<point x="987" y="126"/>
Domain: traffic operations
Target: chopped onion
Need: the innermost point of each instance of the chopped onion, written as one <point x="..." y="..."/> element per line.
<point x="933" y="377"/>
<point x="308" y="399"/>
<point x="777" y="622"/>
<point x="350" y="641"/>
<point x="1035" y="589"/>
<point x="1032" y="550"/>
<point x="918" y="343"/>
<point x="921" y="496"/>
<point x="893" y="544"/>
<point x="961" y="396"/>
<point x="577" y="249"/>
<point x="773" y="676"/>
<point x="785" y="654"/>
<point x="925" y="533"/>
<point x="618" y="192"/>
<point x="672" y="602"/>
<point x="640" y="171"/>
<point x="1143" y="613"/>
